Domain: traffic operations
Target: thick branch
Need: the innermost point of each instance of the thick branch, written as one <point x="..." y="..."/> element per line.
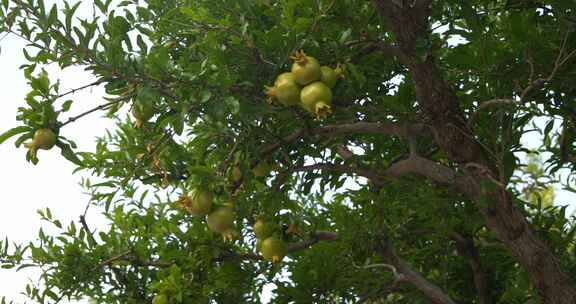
<point x="452" y="134"/>
<point x="314" y="238"/>
<point x="413" y="165"/>
<point x="374" y="176"/>
<point x="466" y="248"/>
<point x="388" y="129"/>
<point x="423" y="167"/>
<point x="429" y="289"/>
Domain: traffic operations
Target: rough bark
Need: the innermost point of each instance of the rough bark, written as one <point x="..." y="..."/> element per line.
<point x="466" y="248"/>
<point x="405" y="273"/>
<point x="408" y="20"/>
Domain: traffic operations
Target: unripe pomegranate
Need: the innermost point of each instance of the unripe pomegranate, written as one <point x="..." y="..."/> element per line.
<point x="160" y="299"/>
<point x="330" y="76"/>
<point x="221" y="220"/>
<point x="274" y="249"/>
<point x="259" y="245"/>
<point x="305" y="69"/>
<point x="43" y="139"/>
<point x="142" y="112"/>
<point x="263" y="229"/>
<point x="317" y="98"/>
<point x="198" y="202"/>
<point x="285" y="89"/>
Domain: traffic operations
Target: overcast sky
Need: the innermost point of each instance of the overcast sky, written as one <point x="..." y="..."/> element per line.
<point x="27" y="188"/>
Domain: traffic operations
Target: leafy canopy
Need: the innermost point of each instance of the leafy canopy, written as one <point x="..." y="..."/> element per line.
<point x="365" y="197"/>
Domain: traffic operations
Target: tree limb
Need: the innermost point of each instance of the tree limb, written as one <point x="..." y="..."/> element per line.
<point x="453" y="136"/>
<point x="389" y="129"/>
<point x="434" y="293"/>
<point x="467" y="249"/>
<point x="314" y="238"/>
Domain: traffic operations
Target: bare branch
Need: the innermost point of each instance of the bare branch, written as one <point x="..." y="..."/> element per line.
<point x="389" y="129"/>
<point x="315" y="237"/>
<point x="467" y="249"/>
<point x="423" y="167"/>
<point x="225" y="165"/>
<point x="413" y="165"/>
<point x="84" y="224"/>
<point x="113" y="101"/>
<point x="372" y="175"/>
<point x="496" y="102"/>
<point x="72" y="91"/>
<point x="119" y="257"/>
<point x="344" y="152"/>
<point x="434" y="293"/>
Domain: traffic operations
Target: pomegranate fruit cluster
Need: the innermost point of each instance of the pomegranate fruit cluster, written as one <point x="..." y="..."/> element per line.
<point x="308" y="85"/>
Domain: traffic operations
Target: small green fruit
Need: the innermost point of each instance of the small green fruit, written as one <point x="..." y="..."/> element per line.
<point x="198" y="202"/>
<point x="274" y="249"/>
<point x="142" y="112"/>
<point x="263" y="229"/>
<point x="43" y="139"/>
<point x="160" y="299"/>
<point x="305" y="69"/>
<point x="285" y="89"/>
<point x="317" y="98"/>
<point x="221" y="220"/>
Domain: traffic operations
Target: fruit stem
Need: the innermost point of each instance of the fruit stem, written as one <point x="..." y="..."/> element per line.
<point x="271" y="93"/>
<point x="322" y="110"/>
<point x="300" y="58"/>
<point x="339" y="70"/>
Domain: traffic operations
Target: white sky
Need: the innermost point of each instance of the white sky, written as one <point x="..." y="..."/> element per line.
<point x="27" y="188"/>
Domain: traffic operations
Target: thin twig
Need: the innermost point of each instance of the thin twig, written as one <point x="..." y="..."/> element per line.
<point x="224" y="166"/>
<point x="100" y="107"/>
<point x="95" y="83"/>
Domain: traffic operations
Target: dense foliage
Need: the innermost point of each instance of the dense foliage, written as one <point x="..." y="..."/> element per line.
<point x="408" y="188"/>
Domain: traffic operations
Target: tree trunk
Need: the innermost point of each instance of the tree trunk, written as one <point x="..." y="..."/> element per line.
<point x="408" y="20"/>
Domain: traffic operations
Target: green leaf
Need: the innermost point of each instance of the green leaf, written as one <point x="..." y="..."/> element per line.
<point x="41" y="83"/>
<point x="53" y="15"/>
<point x="66" y="105"/>
<point x="57" y="224"/>
<point x="69" y="154"/>
<point x="14" y="131"/>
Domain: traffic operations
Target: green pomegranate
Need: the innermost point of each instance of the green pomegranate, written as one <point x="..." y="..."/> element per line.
<point x="317" y="98"/>
<point x="198" y="202"/>
<point x="160" y="299"/>
<point x="274" y="249"/>
<point x="262" y="169"/>
<point x="305" y="69"/>
<point x="263" y="229"/>
<point x="43" y="139"/>
<point x="221" y="220"/>
<point x="259" y="245"/>
<point x="142" y="112"/>
<point x="285" y="89"/>
<point x="330" y="76"/>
